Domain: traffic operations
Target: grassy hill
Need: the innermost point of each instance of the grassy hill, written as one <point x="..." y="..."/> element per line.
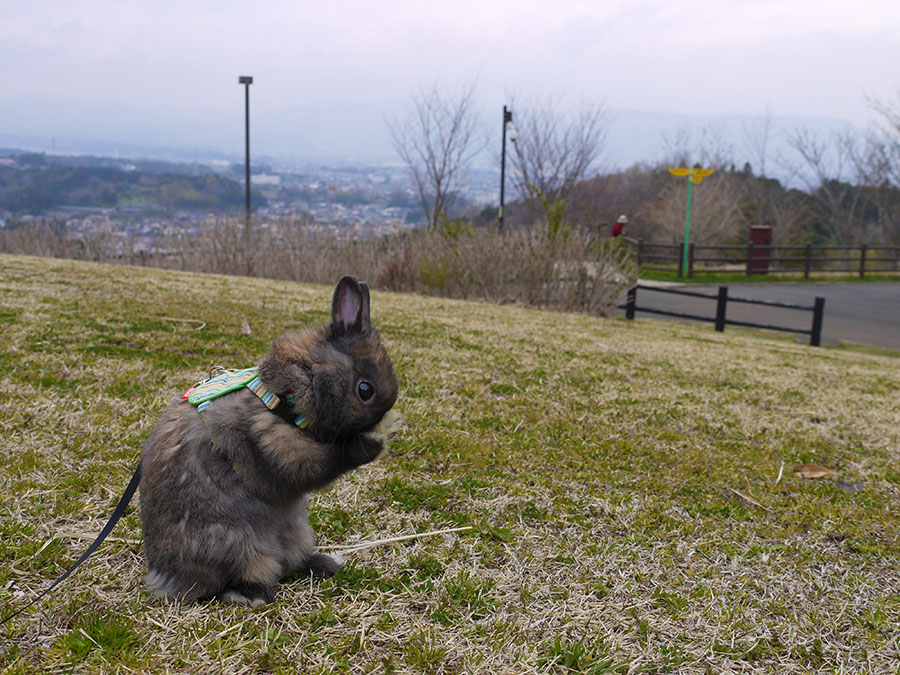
<point x="628" y="490"/>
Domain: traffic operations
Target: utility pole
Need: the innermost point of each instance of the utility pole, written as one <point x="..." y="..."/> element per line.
<point x="507" y="119"/>
<point x="246" y="80"/>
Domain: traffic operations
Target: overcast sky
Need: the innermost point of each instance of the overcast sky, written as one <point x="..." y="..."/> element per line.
<point x="180" y="59"/>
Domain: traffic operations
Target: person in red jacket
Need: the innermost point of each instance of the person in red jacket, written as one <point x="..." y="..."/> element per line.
<point x="619" y="226"/>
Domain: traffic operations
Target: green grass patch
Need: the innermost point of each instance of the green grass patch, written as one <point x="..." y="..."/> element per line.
<point x="627" y="490"/>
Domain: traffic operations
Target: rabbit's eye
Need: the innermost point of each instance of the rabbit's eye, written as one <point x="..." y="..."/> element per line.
<point x="365" y="390"/>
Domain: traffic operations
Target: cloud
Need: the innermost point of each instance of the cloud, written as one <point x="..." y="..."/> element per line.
<point x="799" y="56"/>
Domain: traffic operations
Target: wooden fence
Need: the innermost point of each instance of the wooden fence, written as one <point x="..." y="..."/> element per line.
<point x="765" y="259"/>
<point x="720" y="319"/>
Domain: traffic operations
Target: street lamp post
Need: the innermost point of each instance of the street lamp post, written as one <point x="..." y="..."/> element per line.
<point x="246" y="80"/>
<point x="507" y="121"/>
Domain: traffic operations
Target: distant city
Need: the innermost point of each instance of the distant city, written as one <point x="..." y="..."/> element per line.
<point x="104" y="201"/>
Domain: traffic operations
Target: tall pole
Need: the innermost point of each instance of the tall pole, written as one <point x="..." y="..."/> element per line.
<point x="246" y="80"/>
<point x="687" y="230"/>
<point x="507" y="118"/>
<point x="694" y="175"/>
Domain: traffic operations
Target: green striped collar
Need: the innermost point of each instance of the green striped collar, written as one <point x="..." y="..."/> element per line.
<point x="227" y="381"/>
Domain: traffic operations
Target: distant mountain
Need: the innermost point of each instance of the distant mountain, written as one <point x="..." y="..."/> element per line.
<point x="320" y="132"/>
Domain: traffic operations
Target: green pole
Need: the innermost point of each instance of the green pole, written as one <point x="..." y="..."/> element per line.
<point x="687" y="227"/>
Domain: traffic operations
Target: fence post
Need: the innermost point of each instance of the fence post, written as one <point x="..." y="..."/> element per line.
<point x="815" y="337"/>
<point x="749" y="258"/>
<point x="690" y="270"/>
<point x="721" y="304"/>
<point x="807" y="260"/>
<point x="630" y="302"/>
<point x="862" y="261"/>
<point x="681" y="269"/>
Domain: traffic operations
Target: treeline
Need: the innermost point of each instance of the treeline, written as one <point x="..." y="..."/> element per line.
<point x="726" y="204"/>
<point x="37" y="188"/>
<point x="723" y="207"/>
<point x="838" y="188"/>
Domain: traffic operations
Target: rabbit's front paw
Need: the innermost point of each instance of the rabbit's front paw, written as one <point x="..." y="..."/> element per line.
<point x="390" y="424"/>
<point x="386" y="429"/>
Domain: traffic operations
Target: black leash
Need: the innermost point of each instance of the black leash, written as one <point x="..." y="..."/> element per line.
<point x="113" y="519"/>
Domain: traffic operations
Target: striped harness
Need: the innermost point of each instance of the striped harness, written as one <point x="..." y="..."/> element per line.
<point x="223" y="382"/>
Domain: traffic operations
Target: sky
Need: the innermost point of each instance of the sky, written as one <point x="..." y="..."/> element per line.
<point x="326" y="74"/>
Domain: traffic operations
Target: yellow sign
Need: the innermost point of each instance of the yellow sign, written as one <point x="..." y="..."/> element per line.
<point x="696" y="175"/>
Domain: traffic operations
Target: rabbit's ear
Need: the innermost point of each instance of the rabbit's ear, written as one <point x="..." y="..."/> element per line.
<point x="350" y="305"/>
<point x="364" y="287"/>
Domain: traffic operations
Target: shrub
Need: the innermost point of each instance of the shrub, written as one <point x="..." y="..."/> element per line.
<point x="546" y="266"/>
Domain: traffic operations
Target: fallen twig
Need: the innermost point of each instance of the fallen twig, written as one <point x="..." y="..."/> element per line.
<point x="379" y="542"/>
<point x="90" y="537"/>
<point x="172" y="318"/>
<point x="750" y="499"/>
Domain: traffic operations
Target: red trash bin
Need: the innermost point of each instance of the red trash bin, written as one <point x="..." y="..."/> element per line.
<point x="760" y="239"/>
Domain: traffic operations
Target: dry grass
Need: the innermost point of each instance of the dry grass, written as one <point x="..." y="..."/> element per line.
<point x="572" y="271"/>
<point x="619" y="480"/>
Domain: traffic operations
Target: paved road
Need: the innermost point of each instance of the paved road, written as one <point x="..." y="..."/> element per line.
<point x="867" y="313"/>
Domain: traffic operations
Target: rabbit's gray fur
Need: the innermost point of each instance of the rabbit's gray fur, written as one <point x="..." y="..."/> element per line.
<point x="224" y="493"/>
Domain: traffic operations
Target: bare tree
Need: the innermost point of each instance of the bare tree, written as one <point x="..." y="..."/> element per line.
<point x="554" y="151"/>
<point x="706" y="146"/>
<point x="886" y="137"/>
<point x="437" y="138"/>
<point x="836" y="171"/>
<point x="884" y="167"/>
<point x="766" y="200"/>
<point x="757" y="136"/>
<point x="716" y="216"/>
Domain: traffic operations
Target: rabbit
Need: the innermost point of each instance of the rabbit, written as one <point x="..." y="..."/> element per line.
<point x="225" y="491"/>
